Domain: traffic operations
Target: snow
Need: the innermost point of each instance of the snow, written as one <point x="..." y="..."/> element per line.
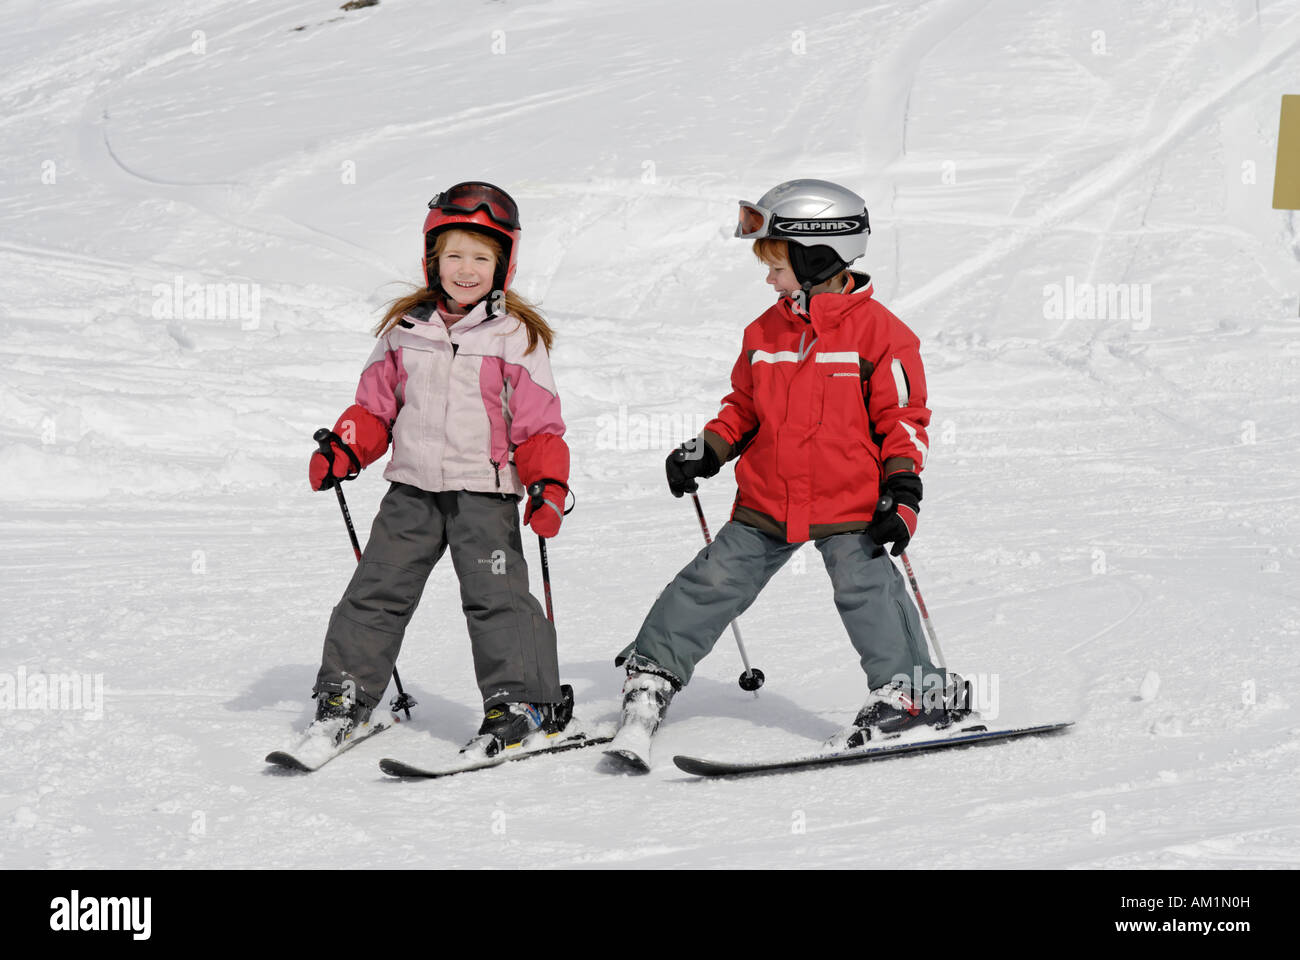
<point x="1110" y="523"/>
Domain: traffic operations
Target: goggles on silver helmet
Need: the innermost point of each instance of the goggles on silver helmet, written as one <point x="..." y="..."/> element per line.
<point x="756" y="222"/>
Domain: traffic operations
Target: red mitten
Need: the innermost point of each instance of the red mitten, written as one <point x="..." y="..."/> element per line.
<point x="361" y="432"/>
<point x="318" y="469"/>
<point x="544" y="458"/>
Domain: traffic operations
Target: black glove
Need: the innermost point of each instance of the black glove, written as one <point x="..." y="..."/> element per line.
<point x="692" y="459"/>
<point x="895" y="518"/>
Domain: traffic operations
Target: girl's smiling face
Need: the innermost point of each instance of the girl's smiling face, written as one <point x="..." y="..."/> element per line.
<point x="466" y="266"/>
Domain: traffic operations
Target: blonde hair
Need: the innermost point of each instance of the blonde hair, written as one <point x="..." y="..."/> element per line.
<point x="774" y="252"/>
<point x="525" y="311"/>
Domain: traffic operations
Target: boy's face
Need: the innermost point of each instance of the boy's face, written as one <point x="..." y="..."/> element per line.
<point x="781" y="276"/>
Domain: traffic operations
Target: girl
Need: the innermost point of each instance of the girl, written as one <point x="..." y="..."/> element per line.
<point x="459" y="381"/>
<point x="828" y="416"/>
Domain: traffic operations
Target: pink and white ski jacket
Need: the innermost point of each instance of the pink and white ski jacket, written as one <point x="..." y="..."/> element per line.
<point x="459" y="401"/>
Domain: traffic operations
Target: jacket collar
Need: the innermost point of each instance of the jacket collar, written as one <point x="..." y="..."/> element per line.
<point x="827" y="309"/>
<point x="426" y="321"/>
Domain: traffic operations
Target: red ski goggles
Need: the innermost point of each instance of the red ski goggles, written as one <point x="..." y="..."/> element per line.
<point x="466" y="198"/>
<point x="753" y="221"/>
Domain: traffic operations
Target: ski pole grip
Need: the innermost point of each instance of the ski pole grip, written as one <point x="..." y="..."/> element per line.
<point x="536" y="493"/>
<point x="326" y="439"/>
<point x="322" y="438"/>
<point x="885" y="504"/>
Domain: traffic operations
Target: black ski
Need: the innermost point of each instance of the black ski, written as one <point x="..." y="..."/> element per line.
<point x="968" y="736"/>
<point x="397" y="768"/>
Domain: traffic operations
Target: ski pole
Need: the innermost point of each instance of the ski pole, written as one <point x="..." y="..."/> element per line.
<point x="537" y="498"/>
<point x="887" y="503"/>
<point x="324" y="437"/>
<point x="752" y="678"/>
<point x="535" y="493"/>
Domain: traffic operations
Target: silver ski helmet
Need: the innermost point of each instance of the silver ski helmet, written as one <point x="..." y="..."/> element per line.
<point x="826" y="226"/>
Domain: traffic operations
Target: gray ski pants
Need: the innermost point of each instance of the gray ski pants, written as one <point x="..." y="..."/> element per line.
<point x="726" y="577"/>
<point x="513" y="643"/>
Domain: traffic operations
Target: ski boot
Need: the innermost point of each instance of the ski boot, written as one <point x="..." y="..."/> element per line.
<point x="338" y="715"/>
<point x="508" y="726"/>
<point x="341" y="723"/>
<point x="646" y="696"/>
<point x="891" y="711"/>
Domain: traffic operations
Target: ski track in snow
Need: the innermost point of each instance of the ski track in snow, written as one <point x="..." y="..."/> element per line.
<point x="1104" y="501"/>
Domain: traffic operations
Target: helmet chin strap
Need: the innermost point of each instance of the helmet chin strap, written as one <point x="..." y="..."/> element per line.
<point x="803" y="297"/>
<point x="813" y="266"/>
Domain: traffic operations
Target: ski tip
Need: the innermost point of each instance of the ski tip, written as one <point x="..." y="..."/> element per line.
<point x="396" y="768"/>
<point x="287" y="761"/>
<point x="693" y="765"/>
<point x="625" y="761"/>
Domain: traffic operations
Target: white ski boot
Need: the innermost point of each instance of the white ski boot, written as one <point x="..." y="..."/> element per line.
<point x="645" y="700"/>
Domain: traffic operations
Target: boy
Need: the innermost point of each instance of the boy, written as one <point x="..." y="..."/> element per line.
<point x="828" y="416"/>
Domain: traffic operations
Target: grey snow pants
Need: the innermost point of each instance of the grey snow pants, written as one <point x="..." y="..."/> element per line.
<point x="725" y="578"/>
<point x="513" y="643"/>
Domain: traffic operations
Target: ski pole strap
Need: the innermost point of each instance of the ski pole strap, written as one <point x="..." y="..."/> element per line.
<point x="327" y="439"/>
<point x="537" y="495"/>
<point x="403" y="701"/>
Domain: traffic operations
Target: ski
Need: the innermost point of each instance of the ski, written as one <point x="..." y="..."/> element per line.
<point x="312" y="753"/>
<point x="967" y="736"/>
<point x="628" y="761"/>
<point x="398" y="768"/>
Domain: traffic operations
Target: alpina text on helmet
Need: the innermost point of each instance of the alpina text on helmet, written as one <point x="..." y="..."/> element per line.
<point x="818" y="226"/>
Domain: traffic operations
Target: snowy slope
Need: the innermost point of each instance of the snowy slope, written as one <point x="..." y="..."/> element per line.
<point x="1110" y="522"/>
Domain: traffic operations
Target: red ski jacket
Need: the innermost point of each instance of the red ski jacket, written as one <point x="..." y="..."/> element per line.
<point x="822" y="407"/>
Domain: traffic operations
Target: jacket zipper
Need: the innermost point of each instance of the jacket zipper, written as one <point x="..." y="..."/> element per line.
<point x="496" y="468"/>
